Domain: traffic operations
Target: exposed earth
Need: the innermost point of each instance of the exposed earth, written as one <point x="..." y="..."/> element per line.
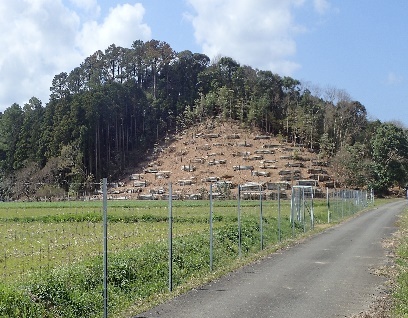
<point x="226" y="155"/>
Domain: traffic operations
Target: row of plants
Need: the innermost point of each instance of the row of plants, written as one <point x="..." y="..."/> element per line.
<point x="37" y="237"/>
<point x="45" y="241"/>
<point x="66" y="279"/>
<point x="132" y="210"/>
<point x="134" y="274"/>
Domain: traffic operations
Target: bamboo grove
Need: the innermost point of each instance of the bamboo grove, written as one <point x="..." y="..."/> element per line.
<point x="103" y="115"/>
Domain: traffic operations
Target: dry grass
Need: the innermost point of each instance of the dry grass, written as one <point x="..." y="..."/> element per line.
<point x="382" y="305"/>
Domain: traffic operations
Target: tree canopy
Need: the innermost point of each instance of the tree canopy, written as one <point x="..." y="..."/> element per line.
<point x="119" y="102"/>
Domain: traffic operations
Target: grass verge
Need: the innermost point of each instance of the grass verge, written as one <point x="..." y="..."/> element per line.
<point x="400" y="293"/>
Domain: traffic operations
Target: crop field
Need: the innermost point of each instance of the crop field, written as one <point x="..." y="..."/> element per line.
<point x="37" y="236"/>
<point x="51" y="253"/>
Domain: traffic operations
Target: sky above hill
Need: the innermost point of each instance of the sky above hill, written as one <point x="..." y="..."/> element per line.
<point x="360" y="46"/>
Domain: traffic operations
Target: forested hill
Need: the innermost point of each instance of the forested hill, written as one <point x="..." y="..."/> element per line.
<point x="105" y="113"/>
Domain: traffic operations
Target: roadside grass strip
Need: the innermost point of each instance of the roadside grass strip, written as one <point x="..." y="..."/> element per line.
<point x="400" y="294"/>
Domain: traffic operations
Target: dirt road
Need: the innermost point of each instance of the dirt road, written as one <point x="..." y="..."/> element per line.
<point x="329" y="275"/>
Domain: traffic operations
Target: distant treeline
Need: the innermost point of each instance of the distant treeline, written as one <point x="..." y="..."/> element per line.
<point x="103" y="115"/>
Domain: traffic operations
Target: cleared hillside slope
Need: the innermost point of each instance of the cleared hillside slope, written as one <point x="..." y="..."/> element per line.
<point x="226" y="155"/>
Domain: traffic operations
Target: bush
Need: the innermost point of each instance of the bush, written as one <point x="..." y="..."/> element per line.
<point x="17" y="303"/>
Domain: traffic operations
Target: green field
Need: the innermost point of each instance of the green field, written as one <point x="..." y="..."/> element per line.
<point x="37" y="236"/>
<point x="52" y="252"/>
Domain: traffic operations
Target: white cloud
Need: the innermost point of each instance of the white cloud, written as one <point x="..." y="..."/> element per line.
<point x="41" y="38"/>
<point x="258" y="33"/>
<point x="122" y="26"/>
<point x="88" y="5"/>
<point x="394" y="79"/>
<point x="37" y="40"/>
<point x="321" y="6"/>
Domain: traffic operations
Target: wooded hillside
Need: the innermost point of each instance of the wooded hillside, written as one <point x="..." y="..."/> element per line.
<point x="103" y="115"/>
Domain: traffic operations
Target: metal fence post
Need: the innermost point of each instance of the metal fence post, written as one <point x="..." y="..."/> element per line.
<point x="279" y="215"/>
<point x="328" y="205"/>
<point x="337" y="203"/>
<point x="105" y="247"/>
<point x="292" y="213"/>
<point x="303" y="210"/>
<point x="170" y="237"/>
<point x="211" y="228"/>
<point x="239" y="222"/>
<point x="261" y="217"/>
<point x="312" y="212"/>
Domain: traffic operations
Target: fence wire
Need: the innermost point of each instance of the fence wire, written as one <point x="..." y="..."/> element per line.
<point x="186" y="238"/>
<point x="343" y="203"/>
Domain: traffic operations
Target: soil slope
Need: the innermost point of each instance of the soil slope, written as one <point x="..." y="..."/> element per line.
<point x="226" y="155"/>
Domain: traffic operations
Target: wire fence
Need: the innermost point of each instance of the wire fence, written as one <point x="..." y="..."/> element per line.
<point x="344" y="202"/>
<point x="189" y="237"/>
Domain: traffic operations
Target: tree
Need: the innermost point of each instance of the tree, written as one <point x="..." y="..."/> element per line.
<point x="225" y="103"/>
<point x="326" y="145"/>
<point x="70" y="164"/>
<point x="352" y="118"/>
<point x="291" y="90"/>
<point x="26" y="181"/>
<point x="114" y="64"/>
<point x="311" y="121"/>
<point x="259" y="114"/>
<point x="268" y="90"/>
<point x="76" y="80"/>
<point x="353" y="167"/>
<point x="227" y="68"/>
<point x="28" y="146"/>
<point x="390" y="156"/>
<point x="10" y="126"/>
<point x="120" y="101"/>
<point x="92" y="70"/>
<point x="159" y="55"/>
<point x="59" y="88"/>
<point x="183" y="79"/>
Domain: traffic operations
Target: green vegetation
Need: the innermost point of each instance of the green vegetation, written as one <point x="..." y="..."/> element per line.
<point x="103" y="115"/>
<point x="400" y="294"/>
<point x="52" y="252"/>
<point x="101" y="118"/>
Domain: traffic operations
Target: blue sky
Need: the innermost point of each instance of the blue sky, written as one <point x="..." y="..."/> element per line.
<point x="356" y="48"/>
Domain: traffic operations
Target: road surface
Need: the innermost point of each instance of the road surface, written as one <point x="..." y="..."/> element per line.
<point x="329" y="275"/>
